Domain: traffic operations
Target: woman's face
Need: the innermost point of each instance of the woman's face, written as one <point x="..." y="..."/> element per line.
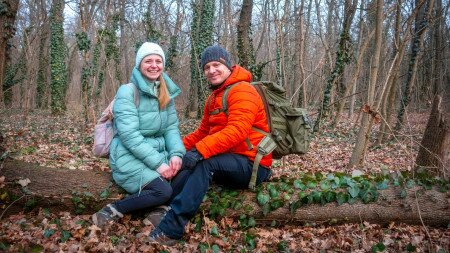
<point x="152" y="66"/>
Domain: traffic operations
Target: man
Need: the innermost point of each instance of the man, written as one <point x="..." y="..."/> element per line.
<point x="222" y="148"/>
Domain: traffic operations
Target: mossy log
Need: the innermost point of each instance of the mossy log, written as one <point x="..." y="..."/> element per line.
<point x="86" y="191"/>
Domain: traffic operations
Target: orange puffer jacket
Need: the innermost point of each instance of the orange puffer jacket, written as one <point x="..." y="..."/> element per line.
<point x="218" y="133"/>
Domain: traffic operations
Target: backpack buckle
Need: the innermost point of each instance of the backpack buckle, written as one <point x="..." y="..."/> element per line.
<point x="266" y="146"/>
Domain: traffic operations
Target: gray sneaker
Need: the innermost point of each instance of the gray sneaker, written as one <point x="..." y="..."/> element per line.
<point x="105" y="215"/>
<point x="158" y="236"/>
<point x="156" y="215"/>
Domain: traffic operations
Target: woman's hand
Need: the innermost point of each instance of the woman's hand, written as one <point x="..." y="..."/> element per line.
<point x="165" y="171"/>
<point x="175" y="164"/>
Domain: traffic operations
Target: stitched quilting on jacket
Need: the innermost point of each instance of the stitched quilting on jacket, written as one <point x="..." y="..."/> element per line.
<point x="146" y="136"/>
<point x="219" y="133"/>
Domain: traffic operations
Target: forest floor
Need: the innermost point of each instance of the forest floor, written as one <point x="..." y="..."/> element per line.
<point x="62" y="142"/>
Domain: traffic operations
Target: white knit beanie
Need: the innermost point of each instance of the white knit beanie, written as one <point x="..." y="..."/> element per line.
<point x="149" y="48"/>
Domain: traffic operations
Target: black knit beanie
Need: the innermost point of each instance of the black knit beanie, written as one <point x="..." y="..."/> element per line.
<point x="215" y="53"/>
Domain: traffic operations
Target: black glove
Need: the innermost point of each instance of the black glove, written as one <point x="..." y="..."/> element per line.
<point x="190" y="159"/>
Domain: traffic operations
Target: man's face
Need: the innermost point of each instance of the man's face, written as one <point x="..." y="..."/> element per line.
<point x="216" y="72"/>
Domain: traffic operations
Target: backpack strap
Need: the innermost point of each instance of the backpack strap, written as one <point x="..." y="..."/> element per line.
<point x="264" y="147"/>
<point x="135" y="93"/>
<point x="225" y="110"/>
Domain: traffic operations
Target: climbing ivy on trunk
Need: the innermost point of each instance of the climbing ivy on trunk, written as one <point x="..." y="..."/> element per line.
<point x="201" y="37"/>
<point x="57" y="58"/>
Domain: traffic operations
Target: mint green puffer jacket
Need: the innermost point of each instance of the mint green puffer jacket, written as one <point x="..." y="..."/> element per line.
<point x="145" y="136"/>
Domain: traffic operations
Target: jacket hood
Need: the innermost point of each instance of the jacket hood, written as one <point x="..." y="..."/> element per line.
<point x="147" y="87"/>
<point x="238" y="74"/>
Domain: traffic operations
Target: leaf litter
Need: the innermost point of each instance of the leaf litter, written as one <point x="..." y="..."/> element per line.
<point x="61" y="142"/>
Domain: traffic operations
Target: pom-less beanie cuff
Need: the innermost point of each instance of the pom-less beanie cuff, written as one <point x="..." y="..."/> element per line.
<point x="149" y="48"/>
<point x="215" y="53"/>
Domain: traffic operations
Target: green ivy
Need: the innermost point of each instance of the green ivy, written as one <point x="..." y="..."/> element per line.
<point x="202" y="27"/>
<point x="315" y="188"/>
<point x="57" y="58"/>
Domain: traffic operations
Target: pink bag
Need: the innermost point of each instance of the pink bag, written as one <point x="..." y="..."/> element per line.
<point x="104" y="131"/>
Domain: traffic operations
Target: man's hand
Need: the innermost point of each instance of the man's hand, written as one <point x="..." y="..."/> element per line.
<point x="191" y="158"/>
<point x="175" y="164"/>
<point x="165" y="171"/>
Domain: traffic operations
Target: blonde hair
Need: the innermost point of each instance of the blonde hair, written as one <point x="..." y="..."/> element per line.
<point x="163" y="94"/>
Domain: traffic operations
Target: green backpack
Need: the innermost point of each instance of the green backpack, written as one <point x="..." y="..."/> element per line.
<point x="289" y="127"/>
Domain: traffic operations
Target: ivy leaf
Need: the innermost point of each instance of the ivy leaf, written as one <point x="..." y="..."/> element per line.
<point x="105" y="194"/>
<point x="378" y="247"/>
<point x="273" y="192"/>
<point x="410" y="247"/>
<point x="341" y="198"/>
<point x="311" y="184"/>
<point x="403" y="193"/>
<point x="329" y="196"/>
<point x="65" y="235"/>
<point x="410" y="183"/>
<point x="48" y="233"/>
<point x="214" y="231"/>
<point x="276" y="204"/>
<point x="316" y="195"/>
<point x="215" y="248"/>
<point x="251" y="222"/>
<point x="296" y="205"/>
<point x="353" y="191"/>
<point x="283" y="186"/>
<point x="299" y="185"/>
<point x="352" y="201"/>
<point x="325" y="185"/>
<point x="383" y="185"/>
<point x="262" y="198"/>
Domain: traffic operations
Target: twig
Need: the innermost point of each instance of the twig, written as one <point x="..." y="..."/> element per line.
<point x="4" y="211"/>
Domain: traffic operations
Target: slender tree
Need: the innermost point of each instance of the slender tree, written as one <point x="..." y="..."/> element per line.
<point x="420" y="27"/>
<point x="8" y="11"/>
<point x="57" y="58"/>
<point x="244" y="36"/>
<point x="343" y="56"/>
<point x="201" y="37"/>
<point x="362" y="140"/>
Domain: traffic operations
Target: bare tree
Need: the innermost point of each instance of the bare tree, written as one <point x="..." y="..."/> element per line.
<point x="7" y="18"/>
<point x="420" y="27"/>
<point x="244" y="35"/>
<point x="362" y="140"/>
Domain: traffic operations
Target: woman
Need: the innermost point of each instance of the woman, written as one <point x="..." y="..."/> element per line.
<point x="147" y="150"/>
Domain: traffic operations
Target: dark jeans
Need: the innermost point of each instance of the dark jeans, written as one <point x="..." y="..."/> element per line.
<point x="231" y="170"/>
<point x="155" y="193"/>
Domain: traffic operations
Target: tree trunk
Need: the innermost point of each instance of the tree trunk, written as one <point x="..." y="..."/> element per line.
<point x="342" y="59"/>
<point x="362" y="140"/>
<point x="78" y="191"/>
<point x="7" y="30"/>
<point x="434" y="152"/>
<point x="421" y="26"/>
<point x="57" y="58"/>
<point x="244" y="36"/>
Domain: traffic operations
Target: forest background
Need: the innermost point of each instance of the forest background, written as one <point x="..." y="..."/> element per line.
<point x="367" y="71"/>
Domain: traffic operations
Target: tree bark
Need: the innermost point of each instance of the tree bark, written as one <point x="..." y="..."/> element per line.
<point x="434" y="152"/>
<point x="362" y="140"/>
<point x="65" y="190"/>
<point x="7" y="31"/>
<point x="244" y="35"/>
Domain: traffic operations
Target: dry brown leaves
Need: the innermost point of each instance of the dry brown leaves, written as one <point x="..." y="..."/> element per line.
<point x="61" y="142"/>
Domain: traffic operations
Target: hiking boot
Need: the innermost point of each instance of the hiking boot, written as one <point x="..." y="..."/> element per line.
<point x="158" y="236"/>
<point x="105" y="215"/>
<point x="156" y="215"/>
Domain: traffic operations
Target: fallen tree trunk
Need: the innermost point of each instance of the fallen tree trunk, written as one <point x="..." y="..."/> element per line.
<point x="86" y="191"/>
